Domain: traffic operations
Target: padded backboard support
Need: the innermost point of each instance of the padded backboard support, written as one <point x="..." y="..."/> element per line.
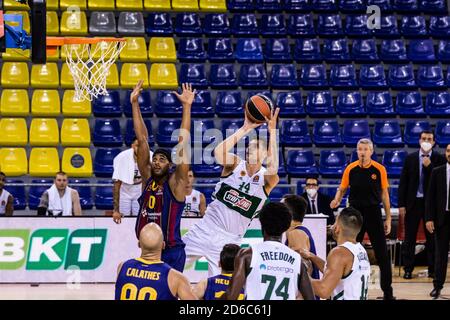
<point x="38" y="31"/>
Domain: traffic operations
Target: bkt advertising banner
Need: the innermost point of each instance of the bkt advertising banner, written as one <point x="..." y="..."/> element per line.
<point x="87" y="250"/>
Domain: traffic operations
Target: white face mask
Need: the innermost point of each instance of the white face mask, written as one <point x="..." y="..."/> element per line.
<point x="426" y="146"/>
<point x="311" y="192"/>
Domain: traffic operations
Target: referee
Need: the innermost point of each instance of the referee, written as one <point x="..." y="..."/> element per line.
<point x="368" y="184"/>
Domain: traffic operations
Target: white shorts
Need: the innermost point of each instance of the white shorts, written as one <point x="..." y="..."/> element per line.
<point x="129" y="207"/>
<point x="207" y="241"/>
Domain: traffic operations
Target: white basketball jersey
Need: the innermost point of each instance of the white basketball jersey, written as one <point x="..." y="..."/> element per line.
<point x="3" y="201"/>
<point x="237" y="200"/>
<point x="192" y="204"/>
<point x="356" y="284"/>
<point x="275" y="271"/>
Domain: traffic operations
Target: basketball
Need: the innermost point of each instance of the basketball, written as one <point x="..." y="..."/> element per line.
<point x="258" y="108"/>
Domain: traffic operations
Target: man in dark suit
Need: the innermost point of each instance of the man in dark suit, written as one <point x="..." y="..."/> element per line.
<point x="437" y="216"/>
<point x="317" y="202"/>
<point x="412" y="194"/>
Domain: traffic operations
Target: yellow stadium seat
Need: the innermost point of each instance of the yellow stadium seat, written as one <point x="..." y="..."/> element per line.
<point x="77" y="162"/>
<point x="162" y="50"/>
<point x="97" y="53"/>
<point x="64" y="4"/>
<point x="74" y="23"/>
<point x="74" y="49"/>
<point x="45" y="75"/>
<point x="163" y="76"/>
<point x="129" y="5"/>
<point x="44" y="132"/>
<point x="14" y="132"/>
<point x="15" y="102"/>
<point x="52" y="4"/>
<point x="66" y="77"/>
<point x="15" y="5"/>
<point x="185" y="5"/>
<point x="13" y="161"/>
<point x="112" y="79"/>
<point x="25" y="21"/>
<point x="72" y="107"/>
<point x="53" y="57"/>
<point x="45" y="103"/>
<point x="75" y="133"/>
<point x="135" y="50"/>
<point x="157" y="5"/>
<point x="52" y="23"/>
<point x="213" y="5"/>
<point x="13" y="54"/>
<point x="15" y="75"/>
<point x="101" y="5"/>
<point x="131" y="73"/>
<point x="44" y="162"/>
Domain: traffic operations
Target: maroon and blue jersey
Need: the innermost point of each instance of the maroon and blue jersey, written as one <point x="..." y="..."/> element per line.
<point x="139" y="279"/>
<point x="217" y="285"/>
<point x="158" y="205"/>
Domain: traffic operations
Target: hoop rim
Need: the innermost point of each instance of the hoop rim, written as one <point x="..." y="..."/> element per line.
<point x="60" y="41"/>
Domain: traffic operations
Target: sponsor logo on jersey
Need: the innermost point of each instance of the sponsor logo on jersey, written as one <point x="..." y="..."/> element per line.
<point x="280" y="269"/>
<point x="243" y="173"/>
<point x="262" y="267"/>
<point x="256" y="179"/>
<point x="374" y="176"/>
<point x="232" y="197"/>
<point x="194" y="199"/>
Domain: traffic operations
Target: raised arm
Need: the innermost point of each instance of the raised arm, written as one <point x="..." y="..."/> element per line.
<point x="271" y="178"/>
<point x="315" y="260"/>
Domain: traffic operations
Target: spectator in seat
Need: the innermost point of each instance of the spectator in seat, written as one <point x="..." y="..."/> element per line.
<point x="6" y="199"/>
<point x="317" y="201"/>
<point x="195" y="200"/>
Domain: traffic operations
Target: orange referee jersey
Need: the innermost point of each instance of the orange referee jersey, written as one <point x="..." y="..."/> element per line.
<point x="366" y="183"/>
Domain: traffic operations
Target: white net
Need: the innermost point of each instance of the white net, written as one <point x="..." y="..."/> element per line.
<point x="89" y="65"/>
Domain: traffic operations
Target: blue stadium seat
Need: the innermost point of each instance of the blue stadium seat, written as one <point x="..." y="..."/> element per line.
<point x="354" y="156"/>
<point x="336" y="50"/>
<point x="301" y="25"/>
<point x="301" y="163"/>
<point x="387" y="133"/>
<point x="191" y="50"/>
<point x="199" y="128"/>
<point x="18" y="192"/>
<point x="332" y="163"/>
<point x="231" y="126"/>
<point x="229" y="104"/>
<point x="353" y="130"/>
<point x="393" y="51"/>
<point x="145" y="104"/>
<point x="35" y="192"/>
<point x="433" y="6"/>
<point x="207" y="191"/>
<point x="440" y="26"/>
<point x="326" y="133"/>
<point x="320" y="104"/>
<point x="406" y="6"/>
<point x="130" y="134"/>
<point x="324" y="5"/>
<point x="290" y="104"/>
<point x="409" y="104"/>
<point x="188" y="24"/>
<point x="413" y="26"/>
<point x="103" y="161"/>
<point x="278" y="193"/>
<point x="107" y="133"/>
<point x="296" y="5"/>
<point x="388" y="26"/>
<point x="430" y="77"/>
<point x="421" y="50"/>
<point x="329" y="25"/>
<point x="107" y="105"/>
<point x="220" y="50"/>
<point x="272" y="25"/>
<point x="263" y="92"/>
<point x="104" y="196"/>
<point x="364" y="50"/>
<point x="401" y="77"/>
<point x="384" y="5"/>
<point x="313" y="76"/>
<point x="412" y="131"/>
<point x="194" y="74"/>
<point x="253" y="76"/>
<point x="444" y="51"/>
<point x="167" y="105"/>
<point x="208" y="168"/>
<point x="443" y="133"/>
<point x="165" y="130"/>
<point x="448" y="76"/>
<point x="371" y="76"/>
<point x="438" y="104"/>
<point x="350" y="104"/>
<point x="343" y="76"/>
<point x="277" y="50"/>
<point x="281" y="166"/>
<point x="240" y="5"/>
<point x="307" y="50"/>
<point x="393" y="161"/>
<point x="216" y="25"/>
<point x="222" y="76"/>
<point x="284" y="76"/>
<point x="202" y="105"/>
<point x="249" y="50"/>
<point x="379" y="103"/>
<point x="352" y="5"/>
<point x="393" y="196"/>
<point x="356" y="26"/>
<point x="85" y="193"/>
<point x="295" y="133"/>
<point x="159" y="24"/>
<point x="245" y="24"/>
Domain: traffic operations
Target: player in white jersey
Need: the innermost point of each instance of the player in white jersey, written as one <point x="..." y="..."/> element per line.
<point x="195" y="203"/>
<point x="240" y="194"/>
<point x="271" y="270"/>
<point x="6" y="199"/>
<point x="346" y="273"/>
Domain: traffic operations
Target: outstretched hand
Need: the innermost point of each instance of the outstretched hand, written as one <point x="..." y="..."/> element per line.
<point x="136" y="92"/>
<point x="249" y="124"/>
<point x="187" y="96"/>
<point x="272" y="122"/>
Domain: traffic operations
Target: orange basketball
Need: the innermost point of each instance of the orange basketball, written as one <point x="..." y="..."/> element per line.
<point x="258" y="108"/>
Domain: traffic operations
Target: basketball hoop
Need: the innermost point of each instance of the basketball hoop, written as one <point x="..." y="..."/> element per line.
<point x="89" y="60"/>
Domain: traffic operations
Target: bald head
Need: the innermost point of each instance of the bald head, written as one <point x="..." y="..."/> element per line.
<point x="151" y="238"/>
